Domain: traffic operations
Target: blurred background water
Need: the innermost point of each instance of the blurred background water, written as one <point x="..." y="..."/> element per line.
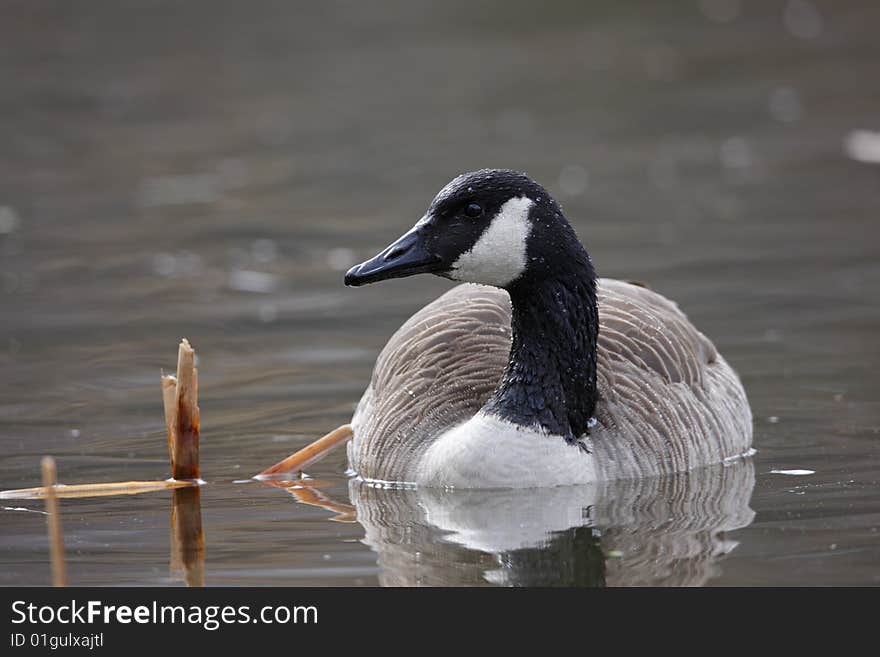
<point x="209" y="170"/>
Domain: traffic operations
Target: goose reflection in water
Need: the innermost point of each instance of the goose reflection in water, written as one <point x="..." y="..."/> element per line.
<point x="660" y="531"/>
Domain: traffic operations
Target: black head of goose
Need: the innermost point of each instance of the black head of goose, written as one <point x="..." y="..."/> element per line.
<point x="549" y="376"/>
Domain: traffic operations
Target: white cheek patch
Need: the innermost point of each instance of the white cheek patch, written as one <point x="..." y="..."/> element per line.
<point x="499" y="256"/>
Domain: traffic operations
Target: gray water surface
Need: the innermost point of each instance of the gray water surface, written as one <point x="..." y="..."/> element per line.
<point x="209" y="170"/>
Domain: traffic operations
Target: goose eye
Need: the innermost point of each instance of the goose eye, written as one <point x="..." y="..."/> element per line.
<point x="473" y="210"/>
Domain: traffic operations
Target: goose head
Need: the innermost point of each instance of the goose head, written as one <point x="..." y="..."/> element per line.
<point x="492" y="226"/>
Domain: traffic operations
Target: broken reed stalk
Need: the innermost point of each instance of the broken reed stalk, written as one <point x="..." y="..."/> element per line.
<point x="311" y="453"/>
<point x="180" y="396"/>
<point x="53" y="519"/>
<point x="169" y="403"/>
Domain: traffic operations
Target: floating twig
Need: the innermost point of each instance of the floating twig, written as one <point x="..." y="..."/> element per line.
<point x="95" y="490"/>
<point x="311" y="453"/>
<point x="53" y="519"/>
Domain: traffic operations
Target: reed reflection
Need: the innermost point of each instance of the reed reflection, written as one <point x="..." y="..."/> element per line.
<point x="187" y="537"/>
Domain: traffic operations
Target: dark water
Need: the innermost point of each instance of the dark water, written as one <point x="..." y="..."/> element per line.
<point x="209" y="170"/>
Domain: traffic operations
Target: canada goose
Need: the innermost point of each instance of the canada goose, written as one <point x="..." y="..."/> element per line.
<point x="540" y="374"/>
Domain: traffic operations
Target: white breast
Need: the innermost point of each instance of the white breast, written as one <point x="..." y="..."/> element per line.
<point x="488" y="452"/>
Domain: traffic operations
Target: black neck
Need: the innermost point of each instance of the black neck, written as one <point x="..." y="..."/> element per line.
<point x="550" y="379"/>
